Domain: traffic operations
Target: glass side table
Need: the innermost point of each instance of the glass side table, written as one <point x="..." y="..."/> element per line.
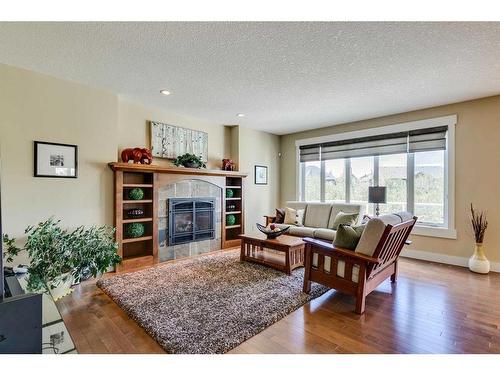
<point x="55" y="336"/>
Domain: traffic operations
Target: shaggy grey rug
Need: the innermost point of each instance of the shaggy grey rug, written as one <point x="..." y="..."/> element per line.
<point x="209" y="304"/>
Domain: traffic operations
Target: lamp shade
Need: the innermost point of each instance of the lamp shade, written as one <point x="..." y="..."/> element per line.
<point x="377" y="194"/>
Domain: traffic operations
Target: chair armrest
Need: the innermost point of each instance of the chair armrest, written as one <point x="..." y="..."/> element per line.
<point x="328" y="246"/>
<point x="355" y="255"/>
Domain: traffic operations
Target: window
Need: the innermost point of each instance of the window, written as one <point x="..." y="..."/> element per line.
<point x="429" y="187"/>
<point x="335" y="180"/>
<point x="312" y="181"/>
<point x="411" y="160"/>
<point x="392" y="173"/>
<point x="361" y="178"/>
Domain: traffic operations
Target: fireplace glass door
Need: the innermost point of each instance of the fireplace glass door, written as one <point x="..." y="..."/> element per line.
<point x="191" y="219"/>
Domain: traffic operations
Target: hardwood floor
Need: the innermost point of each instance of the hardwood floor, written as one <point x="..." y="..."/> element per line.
<point x="433" y="308"/>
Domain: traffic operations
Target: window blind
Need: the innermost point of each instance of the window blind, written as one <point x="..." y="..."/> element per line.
<point x="429" y="139"/>
<point x="367" y="146"/>
<point x="309" y="153"/>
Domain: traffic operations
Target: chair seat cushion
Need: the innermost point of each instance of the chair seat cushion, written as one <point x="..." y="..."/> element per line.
<point x="324" y="234"/>
<point x="340" y="267"/>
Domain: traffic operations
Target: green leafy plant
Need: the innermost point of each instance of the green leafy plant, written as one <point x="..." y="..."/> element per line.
<point x="190" y="161"/>
<point x="56" y="254"/>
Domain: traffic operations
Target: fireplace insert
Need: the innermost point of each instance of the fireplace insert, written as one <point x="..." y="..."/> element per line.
<point x="190" y="219"/>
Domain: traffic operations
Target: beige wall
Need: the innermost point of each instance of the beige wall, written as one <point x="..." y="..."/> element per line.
<point x="259" y="148"/>
<point x="477" y="177"/>
<point x="38" y="107"/>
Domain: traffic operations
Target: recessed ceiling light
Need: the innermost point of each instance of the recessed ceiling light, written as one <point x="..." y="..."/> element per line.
<point x="165" y="92"/>
<point x="240" y="114"/>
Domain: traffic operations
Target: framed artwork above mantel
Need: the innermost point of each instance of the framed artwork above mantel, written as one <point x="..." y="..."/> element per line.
<point x="170" y="141"/>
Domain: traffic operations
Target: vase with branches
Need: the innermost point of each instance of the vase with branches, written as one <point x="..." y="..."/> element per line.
<point x="478" y="261"/>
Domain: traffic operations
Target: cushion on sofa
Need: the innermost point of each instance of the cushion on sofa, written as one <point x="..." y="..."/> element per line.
<point x="301" y="231"/>
<point x="293" y="216"/>
<point x="347" y="237"/>
<point x="347" y="208"/>
<point x="317" y="215"/>
<point x="390" y="219"/>
<point x="370" y="237"/>
<point x="324" y="234"/>
<point x="344" y="218"/>
<point x="280" y="216"/>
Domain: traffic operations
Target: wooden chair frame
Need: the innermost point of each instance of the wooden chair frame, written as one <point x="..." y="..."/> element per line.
<point x="372" y="270"/>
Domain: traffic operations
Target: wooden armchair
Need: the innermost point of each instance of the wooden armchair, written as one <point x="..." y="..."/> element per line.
<point x="352" y="272"/>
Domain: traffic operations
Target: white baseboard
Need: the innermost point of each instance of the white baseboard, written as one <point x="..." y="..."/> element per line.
<point x="443" y="258"/>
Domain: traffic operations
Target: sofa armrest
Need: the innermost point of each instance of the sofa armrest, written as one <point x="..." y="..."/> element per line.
<point x="270" y="219"/>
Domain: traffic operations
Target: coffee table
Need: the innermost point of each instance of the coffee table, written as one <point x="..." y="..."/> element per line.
<point x="288" y="254"/>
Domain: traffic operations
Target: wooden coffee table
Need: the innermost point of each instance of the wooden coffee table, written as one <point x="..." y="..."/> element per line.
<point x="288" y="255"/>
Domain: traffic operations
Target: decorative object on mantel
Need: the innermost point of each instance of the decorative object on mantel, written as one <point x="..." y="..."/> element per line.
<point x="169" y="141"/>
<point x="272" y="231"/>
<point x="230" y="219"/>
<point x="228" y="165"/>
<point x="136" y="194"/>
<point x="235" y="300"/>
<point x="189" y="161"/>
<point x="55" y="160"/>
<point x="231" y="207"/>
<point x="138" y="155"/>
<point x="135" y="230"/>
<point x="59" y="258"/>
<point x="229" y="193"/>
<point x="478" y="262"/>
<point x="135" y="213"/>
<point x="260" y="175"/>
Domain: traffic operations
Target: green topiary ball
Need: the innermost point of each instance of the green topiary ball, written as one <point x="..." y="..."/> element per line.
<point x="135" y="230"/>
<point x="136" y="194"/>
<point x="229" y="193"/>
<point x="230" y="220"/>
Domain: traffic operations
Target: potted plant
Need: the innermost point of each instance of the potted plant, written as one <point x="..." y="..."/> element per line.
<point x="59" y="258"/>
<point x="478" y="261"/>
<point x="189" y="161"/>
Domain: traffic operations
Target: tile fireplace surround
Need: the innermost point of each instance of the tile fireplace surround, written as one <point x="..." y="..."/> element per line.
<point x="189" y="188"/>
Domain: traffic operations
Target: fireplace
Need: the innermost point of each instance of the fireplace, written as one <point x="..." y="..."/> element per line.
<point x="190" y="220"/>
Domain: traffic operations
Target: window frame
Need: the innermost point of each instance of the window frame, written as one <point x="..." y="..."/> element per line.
<point x="423" y="229"/>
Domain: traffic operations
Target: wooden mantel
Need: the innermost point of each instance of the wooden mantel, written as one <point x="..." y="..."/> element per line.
<point x="151" y="168"/>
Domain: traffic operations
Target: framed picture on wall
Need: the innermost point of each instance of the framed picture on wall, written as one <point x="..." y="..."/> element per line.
<point x="260" y="175"/>
<point x="55" y="160"/>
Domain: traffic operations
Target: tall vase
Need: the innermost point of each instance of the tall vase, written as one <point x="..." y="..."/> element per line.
<point x="478" y="262"/>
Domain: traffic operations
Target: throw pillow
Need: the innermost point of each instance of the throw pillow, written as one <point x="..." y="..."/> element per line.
<point x="366" y="219"/>
<point x="347" y="237"/>
<point x="344" y="218"/>
<point x="280" y="216"/>
<point x="294" y="217"/>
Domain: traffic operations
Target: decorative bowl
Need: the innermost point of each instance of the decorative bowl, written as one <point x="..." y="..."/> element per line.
<point x="270" y="233"/>
<point x="135" y="213"/>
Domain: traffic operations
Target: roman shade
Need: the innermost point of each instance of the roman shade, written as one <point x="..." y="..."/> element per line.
<point x="309" y="153"/>
<point x="428" y="139"/>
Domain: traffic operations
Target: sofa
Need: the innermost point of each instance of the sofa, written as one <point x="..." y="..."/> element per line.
<point x="319" y="217"/>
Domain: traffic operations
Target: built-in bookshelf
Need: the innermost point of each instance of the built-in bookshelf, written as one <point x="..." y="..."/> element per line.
<point x="233" y="206"/>
<point x="135" y="251"/>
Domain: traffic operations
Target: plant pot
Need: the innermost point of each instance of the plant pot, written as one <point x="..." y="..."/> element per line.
<point x="478" y="262"/>
<point x="63" y="288"/>
<point x="191" y="165"/>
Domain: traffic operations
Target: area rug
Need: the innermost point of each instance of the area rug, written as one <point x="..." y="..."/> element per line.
<point x="208" y="304"/>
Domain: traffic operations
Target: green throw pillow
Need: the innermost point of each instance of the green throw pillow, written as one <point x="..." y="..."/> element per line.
<point x="344" y="218"/>
<point x="347" y="237"/>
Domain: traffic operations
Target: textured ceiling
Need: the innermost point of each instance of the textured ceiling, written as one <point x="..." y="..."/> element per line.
<point x="284" y="77"/>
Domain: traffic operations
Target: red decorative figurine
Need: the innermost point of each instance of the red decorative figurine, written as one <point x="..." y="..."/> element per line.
<point x="227" y="165"/>
<point x="138" y="155"/>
